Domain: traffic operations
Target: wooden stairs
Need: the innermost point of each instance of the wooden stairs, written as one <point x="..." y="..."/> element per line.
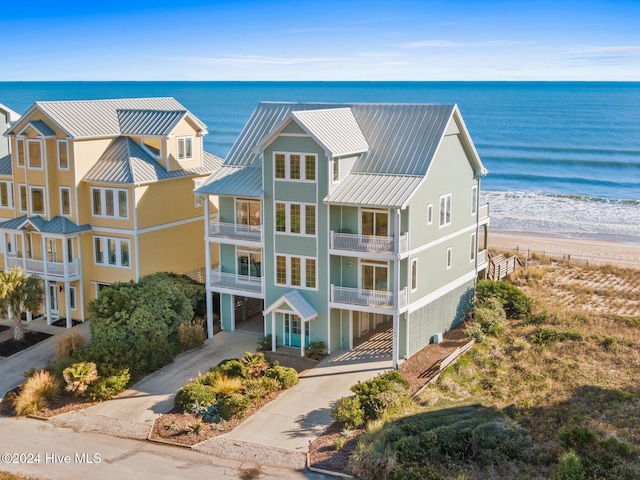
<point x="499" y="266"/>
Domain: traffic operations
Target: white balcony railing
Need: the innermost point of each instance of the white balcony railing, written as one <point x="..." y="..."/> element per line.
<point x="235" y="230"/>
<point x="53" y="269"/>
<point x="482" y="257"/>
<point x="367" y="298"/>
<point x="367" y="243"/>
<point x="234" y="281"/>
<point x="484" y="212"/>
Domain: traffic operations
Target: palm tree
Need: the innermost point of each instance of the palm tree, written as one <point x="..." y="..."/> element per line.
<point x="19" y="293"/>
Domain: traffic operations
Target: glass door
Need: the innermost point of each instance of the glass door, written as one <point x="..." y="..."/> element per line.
<point x="375" y="223"/>
<point x="249" y="264"/>
<point x="293" y="330"/>
<point x="375" y="276"/>
<point x="247" y="216"/>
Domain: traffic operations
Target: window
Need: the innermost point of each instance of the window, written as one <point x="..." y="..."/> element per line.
<point x="296" y="218"/>
<point x="20" y="152"/>
<point x="430" y="214"/>
<point x="65" y="201"/>
<point x="449" y="257"/>
<point x="292" y="271"/>
<point x="248" y="215"/>
<point x="37" y="201"/>
<point x="445" y="210"/>
<point x="197" y="198"/>
<point x="63" y="155"/>
<point x="473" y="247"/>
<point x="185" y="148"/>
<point x="34" y="148"/>
<point x="72" y="297"/>
<point x="23" y="197"/>
<point x="288" y="166"/>
<point x="335" y="171"/>
<point x="474" y="200"/>
<point x="110" y="251"/>
<point x="152" y="145"/>
<point x="6" y="194"/>
<point x="414" y="274"/>
<point x="104" y="200"/>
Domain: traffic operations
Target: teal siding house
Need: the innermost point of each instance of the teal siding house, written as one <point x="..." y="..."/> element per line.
<point x="339" y="219"/>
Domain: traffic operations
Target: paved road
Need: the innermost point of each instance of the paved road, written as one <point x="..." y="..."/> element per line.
<point x="115" y="457"/>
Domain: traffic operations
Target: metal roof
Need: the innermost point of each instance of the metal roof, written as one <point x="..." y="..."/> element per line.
<point x="234" y="181"/>
<point x="58" y="225"/>
<point x="13" y="115"/>
<point x="5" y="165"/>
<point x="365" y="189"/>
<point x="149" y="122"/>
<point x="100" y="118"/>
<point x="42" y="128"/>
<point x="297" y="303"/>
<point x="126" y="162"/>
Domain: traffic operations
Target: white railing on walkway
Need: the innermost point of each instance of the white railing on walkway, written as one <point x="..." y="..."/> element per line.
<point x="368" y="298"/>
<point x="55" y="269"/>
<point x="236" y="282"/>
<point x="235" y="230"/>
<point x="367" y="243"/>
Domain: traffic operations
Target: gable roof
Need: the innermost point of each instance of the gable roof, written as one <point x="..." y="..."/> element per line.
<point x="126" y="162"/>
<point x="57" y="224"/>
<point x="41" y="127"/>
<point x="13" y="116"/>
<point x="297" y="303"/>
<point x="402" y="141"/>
<point x="109" y="118"/>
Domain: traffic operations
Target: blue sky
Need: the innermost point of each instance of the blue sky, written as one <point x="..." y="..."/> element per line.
<point x="322" y="40"/>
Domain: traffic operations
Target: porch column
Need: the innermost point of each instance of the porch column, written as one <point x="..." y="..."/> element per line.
<point x="350" y="329"/>
<point x="65" y="259"/>
<point x="81" y="305"/>
<point x="396" y="288"/>
<point x="45" y="258"/>
<point x="78" y="262"/>
<point x="47" y="301"/>
<point x="273" y="331"/>
<point x="207" y="270"/>
<point x="209" y="312"/>
<point x="304" y="339"/>
<point x="67" y="302"/>
<point x="24" y="251"/>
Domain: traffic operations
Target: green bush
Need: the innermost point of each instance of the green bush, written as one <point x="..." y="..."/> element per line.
<point x="265" y="344"/>
<point x="191" y="393"/>
<point x="547" y="336"/>
<point x="349" y="411"/>
<point x="255" y="364"/>
<point x="368" y="392"/>
<point x="233" y="406"/>
<point x="489" y="316"/>
<point x="286" y="377"/>
<point x="231" y="367"/>
<point x="515" y="303"/>
<point x="191" y="334"/>
<point x="315" y="350"/>
<point x="569" y="467"/>
<point x="79" y="376"/>
<point x="108" y="384"/>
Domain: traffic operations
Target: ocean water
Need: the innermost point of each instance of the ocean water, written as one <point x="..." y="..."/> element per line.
<point x="563" y="157"/>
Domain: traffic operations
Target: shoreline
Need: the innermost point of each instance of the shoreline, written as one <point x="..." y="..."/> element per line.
<point x="584" y="250"/>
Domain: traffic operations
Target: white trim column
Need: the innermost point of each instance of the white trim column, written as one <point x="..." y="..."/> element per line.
<point x="207" y="270"/>
<point x="396" y="289"/>
<point x="209" y="313"/>
<point x="350" y="329"/>
<point x="47" y="301"/>
<point x="273" y="331"/>
<point x="67" y="303"/>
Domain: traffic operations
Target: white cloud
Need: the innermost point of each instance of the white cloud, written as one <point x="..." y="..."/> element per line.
<point x="450" y="44"/>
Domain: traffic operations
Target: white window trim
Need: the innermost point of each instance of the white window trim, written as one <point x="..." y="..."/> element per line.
<point x="447" y="200"/>
<point x="430" y="214"/>
<point x="184" y="139"/>
<point x="98" y="284"/>
<point x="198" y="200"/>
<point x="30" y="200"/>
<point x="20" y="140"/>
<point x="334" y="165"/>
<point x="105" y="253"/>
<point x="303" y="272"/>
<point x="303" y="167"/>
<point x="74" y="303"/>
<point x="374" y="211"/>
<point x="449" y="257"/>
<point x="58" y="143"/>
<point x="9" y="185"/>
<point x="103" y="203"/>
<point x="20" y="187"/>
<point x="28" y="154"/>
<point x="376" y="263"/>
<point x="414" y="278"/>
<point x="474" y="247"/>
<point x="303" y="219"/>
<point x="70" y="214"/>
<point x="474" y="200"/>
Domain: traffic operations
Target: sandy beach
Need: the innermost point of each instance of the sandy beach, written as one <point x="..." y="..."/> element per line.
<point x="579" y="249"/>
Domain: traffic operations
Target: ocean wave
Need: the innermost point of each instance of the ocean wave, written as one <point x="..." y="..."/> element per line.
<point x="562" y="162"/>
<point x="554" y="149"/>
<point x="541" y="179"/>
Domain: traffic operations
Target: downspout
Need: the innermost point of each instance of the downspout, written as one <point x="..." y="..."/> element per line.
<point x="396" y="290"/>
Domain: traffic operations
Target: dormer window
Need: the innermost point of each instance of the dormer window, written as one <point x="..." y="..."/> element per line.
<point x="185" y="148"/>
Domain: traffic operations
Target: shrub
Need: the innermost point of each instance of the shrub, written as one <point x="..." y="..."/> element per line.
<point x="191" y="334"/>
<point x="79" y="376"/>
<point x="270" y="385"/>
<point x="69" y="345"/>
<point x="569" y="467"/>
<point x="515" y="303"/>
<point x="231" y="368"/>
<point x="338" y="443"/>
<point x="315" y="350"/>
<point x="286" y="377"/>
<point x="195" y="427"/>
<point x="233" y="406"/>
<point x="255" y="364"/>
<point x="368" y="392"/>
<point x="265" y="344"/>
<point x="547" y="336"/>
<point x="36" y="393"/>
<point x="110" y="383"/>
<point x="193" y="392"/>
<point x="254" y="388"/>
<point x="349" y="411"/>
<point x="211" y="414"/>
<point x="223" y="385"/>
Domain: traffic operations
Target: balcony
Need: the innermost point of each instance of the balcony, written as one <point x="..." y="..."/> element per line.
<point x="38" y="267"/>
<point x="252" y="233"/>
<point x="367" y="298"/>
<point x="483" y="214"/>
<point x="367" y="243"/>
<point x="233" y="282"/>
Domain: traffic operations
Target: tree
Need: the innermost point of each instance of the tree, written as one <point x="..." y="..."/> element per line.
<point x="19" y="293"/>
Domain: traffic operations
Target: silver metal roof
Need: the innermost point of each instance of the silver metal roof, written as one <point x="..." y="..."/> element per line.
<point x="13" y="116"/>
<point x="297" y="303"/>
<point x="42" y="128"/>
<point x="126" y="162"/>
<point x="58" y="225"/>
<point x="365" y="189"/>
<point x="234" y="181"/>
<point x="149" y="122"/>
<point x="100" y="118"/>
<point x="5" y="165"/>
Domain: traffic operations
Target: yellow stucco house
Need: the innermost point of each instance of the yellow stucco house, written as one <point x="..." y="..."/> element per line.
<point x="101" y="191"/>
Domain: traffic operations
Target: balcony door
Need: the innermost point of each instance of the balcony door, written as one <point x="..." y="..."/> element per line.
<point x="374" y="223"/>
<point x="247" y="215"/>
<point x="52" y="255"/>
<point x="249" y="264"/>
<point x="375" y="275"/>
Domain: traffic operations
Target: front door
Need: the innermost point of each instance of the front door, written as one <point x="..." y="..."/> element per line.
<point x="53" y="299"/>
<point x="293" y="330"/>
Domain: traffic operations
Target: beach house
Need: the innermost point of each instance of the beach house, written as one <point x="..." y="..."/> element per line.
<point x="7" y="118"/>
<point x="97" y="192"/>
<point x="338" y="219"/>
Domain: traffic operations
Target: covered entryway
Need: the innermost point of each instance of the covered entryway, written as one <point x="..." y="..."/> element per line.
<point x="290" y="316"/>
